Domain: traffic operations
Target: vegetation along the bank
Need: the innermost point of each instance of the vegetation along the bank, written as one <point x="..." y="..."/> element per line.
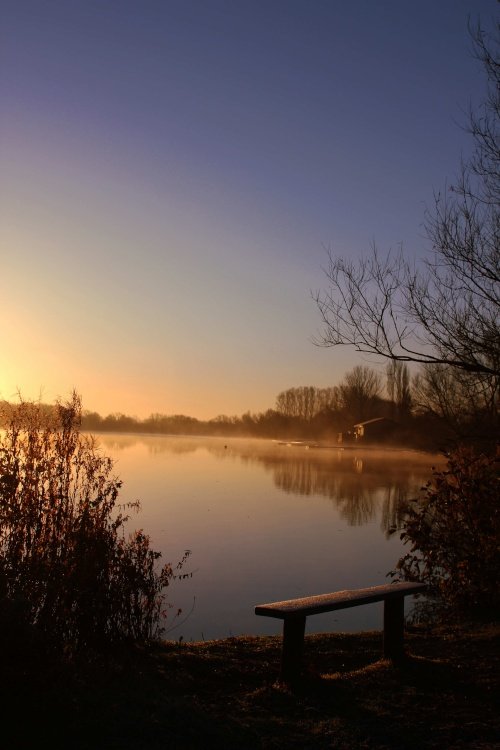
<point x="70" y="575"/>
<point x="223" y="694"/>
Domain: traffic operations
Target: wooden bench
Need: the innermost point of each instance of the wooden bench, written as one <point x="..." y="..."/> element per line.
<point x="293" y="612"/>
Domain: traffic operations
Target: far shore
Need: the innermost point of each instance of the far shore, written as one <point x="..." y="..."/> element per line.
<point x="288" y="443"/>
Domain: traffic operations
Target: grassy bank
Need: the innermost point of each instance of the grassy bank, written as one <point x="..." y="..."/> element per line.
<point x="223" y="694"/>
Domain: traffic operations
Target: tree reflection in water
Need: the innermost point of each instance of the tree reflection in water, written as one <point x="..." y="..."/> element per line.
<point x="363" y="484"/>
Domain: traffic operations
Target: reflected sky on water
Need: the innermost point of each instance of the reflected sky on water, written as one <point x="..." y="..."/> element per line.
<point x="266" y="521"/>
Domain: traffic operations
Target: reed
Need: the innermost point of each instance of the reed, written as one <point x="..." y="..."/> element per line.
<point x="68" y="567"/>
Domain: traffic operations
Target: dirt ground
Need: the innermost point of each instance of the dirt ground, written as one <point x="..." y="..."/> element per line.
<point x="224" y="694"/>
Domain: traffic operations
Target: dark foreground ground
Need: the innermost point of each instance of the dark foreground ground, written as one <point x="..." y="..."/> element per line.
<point x="223" y="694"/>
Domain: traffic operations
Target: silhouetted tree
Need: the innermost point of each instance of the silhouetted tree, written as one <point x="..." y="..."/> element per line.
<point x="445" y="311"/>
<point x="305" y="402"/>
<point x="398" y="388"/>
<point x="359" y="392"/>
<point x="467" y="404"/>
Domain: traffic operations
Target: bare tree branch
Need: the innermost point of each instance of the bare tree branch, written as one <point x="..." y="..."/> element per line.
<point x="446" y="310"/>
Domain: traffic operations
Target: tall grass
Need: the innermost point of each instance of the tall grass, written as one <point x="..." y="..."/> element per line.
<point x="67" y="565"/>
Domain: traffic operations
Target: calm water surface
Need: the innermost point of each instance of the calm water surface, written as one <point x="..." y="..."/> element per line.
<point x="264" y="522"/>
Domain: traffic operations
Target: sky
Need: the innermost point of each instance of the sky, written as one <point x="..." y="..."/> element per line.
<point x="174" y="172"/>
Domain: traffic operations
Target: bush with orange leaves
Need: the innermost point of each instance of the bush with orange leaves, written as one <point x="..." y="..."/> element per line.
<point x="67" y="567"/>
<point x="454" y="532"/>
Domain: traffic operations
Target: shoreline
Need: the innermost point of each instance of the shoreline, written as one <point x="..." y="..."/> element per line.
<point x="224" y="694"/>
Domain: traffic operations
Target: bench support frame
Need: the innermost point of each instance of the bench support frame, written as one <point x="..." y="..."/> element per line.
<point x="294" y="612"/>
<point x="394" y="624"/>
<point x="293" y="648"/>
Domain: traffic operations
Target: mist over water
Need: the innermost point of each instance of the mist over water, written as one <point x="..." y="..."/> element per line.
<point x="266" y="521"/>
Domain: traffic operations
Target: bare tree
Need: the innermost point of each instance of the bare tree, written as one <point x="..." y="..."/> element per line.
<point x="305" y="402"/>
<point x="398" y="387"/>
<point x="359" y="391"/>
<point x="469" y="404"/>
<point x="445" y="310"/>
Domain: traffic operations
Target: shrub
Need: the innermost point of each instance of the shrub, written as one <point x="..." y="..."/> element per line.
<point x="454" y="532"/>
<point x="65" y="560"/>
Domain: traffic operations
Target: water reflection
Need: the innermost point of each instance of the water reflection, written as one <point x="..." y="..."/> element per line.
<point x="363" y="485"/>
<point x="266" y="521"/>
<point x="357" y="494"/>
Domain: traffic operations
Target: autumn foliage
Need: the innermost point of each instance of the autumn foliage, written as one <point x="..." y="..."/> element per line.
<point x="68" y="570"/>
<point x="453" y="530"/>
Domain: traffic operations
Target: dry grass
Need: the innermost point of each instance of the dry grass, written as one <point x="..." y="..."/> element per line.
<point x="224" y="694"/>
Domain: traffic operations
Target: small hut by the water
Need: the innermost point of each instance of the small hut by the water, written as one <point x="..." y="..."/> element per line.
<point x="373" y="430"/>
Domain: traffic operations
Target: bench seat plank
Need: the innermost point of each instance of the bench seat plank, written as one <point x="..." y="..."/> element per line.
<point x="313" y="605"/>
<point x="294" y="612"/>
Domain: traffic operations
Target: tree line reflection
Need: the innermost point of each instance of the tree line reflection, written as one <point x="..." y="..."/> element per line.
<point x="361" y="489"/>
<point x="362" y="485"/>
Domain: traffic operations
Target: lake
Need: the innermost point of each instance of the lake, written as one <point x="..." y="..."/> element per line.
<point x="265" y="521"/>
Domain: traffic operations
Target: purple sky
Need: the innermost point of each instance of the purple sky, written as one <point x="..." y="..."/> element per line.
<point x="172" y="173"/>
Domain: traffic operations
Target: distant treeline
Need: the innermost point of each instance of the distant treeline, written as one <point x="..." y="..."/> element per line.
<point x="324" y="426"/>
<point x="429" y="410"/>
<point x="305" y="412"/>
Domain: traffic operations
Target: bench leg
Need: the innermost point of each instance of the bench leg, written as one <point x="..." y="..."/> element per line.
<point x="293" y="646"/>
<point x="394" y="617"/>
